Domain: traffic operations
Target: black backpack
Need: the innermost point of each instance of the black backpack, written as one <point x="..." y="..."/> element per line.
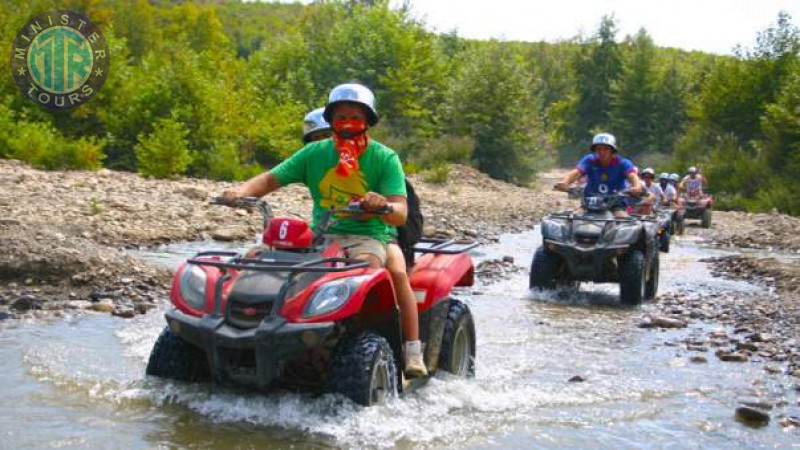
<point x="410" y="233"/>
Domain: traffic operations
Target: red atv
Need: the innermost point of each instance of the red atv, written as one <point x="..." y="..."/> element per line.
<point x="697" y="205"/>
<point x="299" y="314"/>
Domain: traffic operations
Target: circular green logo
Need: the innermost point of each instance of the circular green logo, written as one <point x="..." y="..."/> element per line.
<point x="60" y="60"/>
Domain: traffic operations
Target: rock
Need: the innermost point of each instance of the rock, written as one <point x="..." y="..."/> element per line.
<point x="126" y="312"/>
<point x="787" y="422"/>
<point x="6" y="315"/>
<point x="653" y="321"/>
<point x="26" y="303"/>
<point x="193" y="192"/>
<point x="98" y="295"/>
<point x="225" y="234"/>
<point x="762" y="337"/>
<point x="698" y="359"/>
<point x="577" y="379"/>
<point x="732" y="357"/>
<point x="508" y="259"/>
<point x="143" y="308"/>
<point x="752" y="416"/>
<point x="105" y="306"/>
<point x="771" y="368"/>
<point x="79" y="304"/>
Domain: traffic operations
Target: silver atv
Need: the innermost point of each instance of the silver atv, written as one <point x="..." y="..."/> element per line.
<point x="593" y="245"/>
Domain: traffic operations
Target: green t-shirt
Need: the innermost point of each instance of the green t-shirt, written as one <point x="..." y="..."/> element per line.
<point x="315" y="166"/>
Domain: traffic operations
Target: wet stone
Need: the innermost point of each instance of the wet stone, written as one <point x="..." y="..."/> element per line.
<point x="732" y="356"/>
<point x="577" y="379"/>
<point x="26" y="303"/>
<point x="698" y="359"/>
<point x="105" y="306"/>
<point x="654" y="321"/>
<point x="753" y="417"/>
<point x="79" y="304"/>
<point x="125" y="312"/>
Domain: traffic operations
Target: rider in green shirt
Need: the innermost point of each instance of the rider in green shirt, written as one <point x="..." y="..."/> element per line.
<point x="351" y="167"/>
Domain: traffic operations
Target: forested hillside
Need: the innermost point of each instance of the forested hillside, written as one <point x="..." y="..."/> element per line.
<point x="219" y="89"/>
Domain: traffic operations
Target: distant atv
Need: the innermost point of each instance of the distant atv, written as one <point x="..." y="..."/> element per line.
<point x="664" y="217"/>
<point x="698" y="206"/>
<point x="665" y="227"/>
<point x="595" y="246"/>
<point x="677" y="218"/>
<point x="297" y="313"/>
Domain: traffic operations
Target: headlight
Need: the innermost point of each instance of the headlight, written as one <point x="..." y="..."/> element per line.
<point x="626" y="234"/>
<point x="328" y="297"/>
<point x="193" y="286"/>
<point x="552" y="230"/>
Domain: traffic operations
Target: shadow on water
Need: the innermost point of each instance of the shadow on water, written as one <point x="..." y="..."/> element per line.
<point x="80" y="381"/>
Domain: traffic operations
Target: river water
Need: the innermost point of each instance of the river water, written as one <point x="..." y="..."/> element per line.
<point x="79" y="382"/>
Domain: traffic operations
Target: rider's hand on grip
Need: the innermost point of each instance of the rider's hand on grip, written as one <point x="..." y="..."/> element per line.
<point x="375" y="203"/>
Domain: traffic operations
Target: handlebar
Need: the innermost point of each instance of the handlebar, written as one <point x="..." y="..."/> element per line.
<point x="247" y="203"/>
<point x="356" y="208"/>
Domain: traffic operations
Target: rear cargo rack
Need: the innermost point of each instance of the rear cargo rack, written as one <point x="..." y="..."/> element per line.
<point x="444" y="246"/>
<point x="277" y="265"/>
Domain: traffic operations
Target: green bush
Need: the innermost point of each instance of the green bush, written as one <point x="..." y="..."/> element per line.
<point x="41" y="145"/>
<point x="437" y="174"/>
<point x="164" y="152"/>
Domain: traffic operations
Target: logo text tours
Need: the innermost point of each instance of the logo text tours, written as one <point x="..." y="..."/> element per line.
<point x="60" y="60"/>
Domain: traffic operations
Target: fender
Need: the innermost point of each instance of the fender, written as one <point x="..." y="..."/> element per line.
<point x="436" y="275"/>
<point x="374" y="295"/>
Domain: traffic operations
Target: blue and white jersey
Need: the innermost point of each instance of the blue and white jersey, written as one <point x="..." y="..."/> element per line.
<point x="605" y="179"/>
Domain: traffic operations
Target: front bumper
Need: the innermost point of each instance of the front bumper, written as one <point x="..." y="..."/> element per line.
<point x="588" y="263"/>
<point x="255" y="357"/>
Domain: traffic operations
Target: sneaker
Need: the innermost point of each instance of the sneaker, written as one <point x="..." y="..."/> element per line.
<point x="415" y="364"/>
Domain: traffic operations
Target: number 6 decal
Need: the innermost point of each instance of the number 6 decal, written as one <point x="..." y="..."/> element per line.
<point x="284" y="230"/>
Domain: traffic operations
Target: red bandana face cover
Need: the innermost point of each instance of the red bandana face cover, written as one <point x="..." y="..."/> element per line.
<point x="350" y="139"/>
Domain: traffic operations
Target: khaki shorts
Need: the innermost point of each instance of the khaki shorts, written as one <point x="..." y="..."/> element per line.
<point x="355" y="245"/>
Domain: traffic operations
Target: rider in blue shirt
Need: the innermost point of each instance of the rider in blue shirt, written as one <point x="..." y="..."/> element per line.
<point x="606" y="172"/>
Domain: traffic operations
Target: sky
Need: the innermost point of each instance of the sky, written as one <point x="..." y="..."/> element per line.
<point x="714" y="26"/>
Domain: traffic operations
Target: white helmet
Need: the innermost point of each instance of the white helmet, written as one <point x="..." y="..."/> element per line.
<point x="352" y="93"/>
<point x="314" y="123"/>
<point x="649" y="171"/>
<point x="693" y="169"/>
<point x="604" y="139"/>
<point x="663" y="176"/>
<point x="674" y="177"/>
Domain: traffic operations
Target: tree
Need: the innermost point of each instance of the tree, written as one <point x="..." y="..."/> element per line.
<point x="633" y="116"/>
<point x="781" y="126"/>
<point x="597" y="66"/>
<point x="164" y="152"/>
<point x="489" y="101"/>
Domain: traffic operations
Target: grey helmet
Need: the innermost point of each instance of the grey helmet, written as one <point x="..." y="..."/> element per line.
<point x="352" y="93"/>
<point x="314" y="123"/>
<point x="663" y="176"/>
<point x="674" y="177"/>
<point x="649" y="171"/>
<point x="693" y="169"/>
<point x="604" y="139"/>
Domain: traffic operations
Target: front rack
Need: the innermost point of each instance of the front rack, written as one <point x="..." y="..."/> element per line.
<point x="276" y="265"/>
<point x="444" y="246"/>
